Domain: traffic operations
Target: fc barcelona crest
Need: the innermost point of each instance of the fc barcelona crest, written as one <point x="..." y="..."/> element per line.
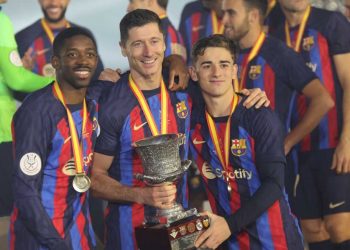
<point x="181" y="109"/>
<point x="238" y="147"/>
<point x="254" y="72"/>
<point x="308" y="42"/>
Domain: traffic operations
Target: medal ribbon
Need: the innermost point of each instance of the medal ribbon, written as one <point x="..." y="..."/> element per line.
<point x="147" y="111"/>
<point x="270" y="6"/>
<point x="254" y="51"/>
<point x="218" y="27"/>
<point x="48" y="31"/>
<point x="300" y="31"/>
<point x="224" y="159"/>
<point x="77" y="149"/>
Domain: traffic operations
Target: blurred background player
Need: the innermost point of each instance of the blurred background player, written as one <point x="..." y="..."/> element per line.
<point x="13" y="76"/>
<point x="322" y="38"/>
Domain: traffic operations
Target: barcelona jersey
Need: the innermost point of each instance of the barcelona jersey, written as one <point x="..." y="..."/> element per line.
<point x="279" y="76"/>
<point x="48" y="212"/>
<point x="196" y="22"/>
<point x="326" y="34"/>
<point x="173" y="39"/>
<point x="123" y="122"/>
<point x="255" y="173"/>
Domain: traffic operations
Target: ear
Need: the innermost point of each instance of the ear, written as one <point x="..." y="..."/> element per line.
<point x="193" y="73"/>
<point x="122" y="47"/>
<point x="234" y="71"/>
<point x="254" y="16"/>
<point x="55" y="61"/>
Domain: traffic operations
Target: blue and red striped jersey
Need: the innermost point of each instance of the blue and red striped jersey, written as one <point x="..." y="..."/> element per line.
<point x="173" y="39"/>
<point x="256" y="143"/>
<point x="326" y="34"/>
<point x="35" y="37"/>
<point x="122" y="123"/>
<point x="47" y="211"/>
<point x="195" y="23"/>
<point x="279" y="76"/>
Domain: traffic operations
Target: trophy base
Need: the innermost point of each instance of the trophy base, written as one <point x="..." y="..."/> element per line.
<point x="178" y="235"/>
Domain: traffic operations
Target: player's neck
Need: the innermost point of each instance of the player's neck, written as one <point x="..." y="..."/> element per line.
<point x="72" y="95"/>
<point x="249" y="40"/>
<point x="293" y="18"/>
<point x="148" y="82"/>
<point x="219" y="106"/>
<point x="57" y="25"/>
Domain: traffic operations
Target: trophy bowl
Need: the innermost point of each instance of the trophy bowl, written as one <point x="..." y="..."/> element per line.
<point x="160" y="157"/>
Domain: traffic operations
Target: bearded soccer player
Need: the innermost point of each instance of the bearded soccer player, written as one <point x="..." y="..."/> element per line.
<point x="54" y="132"/>
<point x="35" y="41"/>
<point x="279" y="76"/>
<point x="322" y="38"/>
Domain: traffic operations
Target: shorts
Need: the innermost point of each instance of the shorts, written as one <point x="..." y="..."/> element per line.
<point x="320" y="191"/>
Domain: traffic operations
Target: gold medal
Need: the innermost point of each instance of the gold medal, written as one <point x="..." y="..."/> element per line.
<point x="81" y="183"/>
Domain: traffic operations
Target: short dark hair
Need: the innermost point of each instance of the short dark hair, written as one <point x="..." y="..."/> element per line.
<point x="214" y="41"/>
<point x="65" y="34"/>
<point x="137" y="18"/>
<point x="261" y="5"/>
<point x="162" y="3"/>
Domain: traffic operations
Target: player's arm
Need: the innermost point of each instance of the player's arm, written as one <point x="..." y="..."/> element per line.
<point x="320" y="102"/>
<point x="105" y="187"/>
<point x="341" y="158"/>
<point x="15" y="75"/>
<point x="270" y="163"/>
<point x="30" y="153"/>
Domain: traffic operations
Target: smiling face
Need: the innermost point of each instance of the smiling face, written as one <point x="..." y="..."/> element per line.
<point x="76" y="62"/>
<point x="215" y="71"/>
<point x="54" y="10"/>
<point x="144" y="49"/>
<point x="235" y="19"/>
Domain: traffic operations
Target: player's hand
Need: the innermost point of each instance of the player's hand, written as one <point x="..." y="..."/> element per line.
<point x="341" y="157"/>
<point x="28" y="59"/>
<point x="159" y="196"/>
<point x="110" y="75"/>
<point x="178" y="73"/>
<point x="217" y="232"/>
<point x="256" y="97"/>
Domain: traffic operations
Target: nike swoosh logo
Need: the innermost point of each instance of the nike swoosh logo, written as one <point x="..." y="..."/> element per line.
<point x="332" y="206"/>
<point x="43" y="51"/>
<point x="137" y="127"/>
<point x="196" y="142"/>
<point x="196" y="28"/>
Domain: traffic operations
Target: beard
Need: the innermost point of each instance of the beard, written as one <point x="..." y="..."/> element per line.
<point x="54" y="20"/>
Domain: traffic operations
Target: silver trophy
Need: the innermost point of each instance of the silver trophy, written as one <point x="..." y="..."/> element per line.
<point x="160" y="156"/>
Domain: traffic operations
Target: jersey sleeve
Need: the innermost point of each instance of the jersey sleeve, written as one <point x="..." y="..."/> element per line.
<point x="293" y="70"/>
<point x="31" y="140"/>
<point x="338" y="34"/>
<point x="270" y="162"/>
<point x="108" y="140"/>
<point x="15" y="75"/>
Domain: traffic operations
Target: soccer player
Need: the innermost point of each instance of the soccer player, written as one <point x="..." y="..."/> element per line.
<point x="199" y="19"/>
<point x="54" y="132"/>
<point x="13" y="76"/>
<point x="240" y="155"/>
<point x="267" y="63"/>
<point x="35" y="41"/>
<point x="322" y="38"/>
<point x="173" y="40"/>
<point x="134" y="109"/>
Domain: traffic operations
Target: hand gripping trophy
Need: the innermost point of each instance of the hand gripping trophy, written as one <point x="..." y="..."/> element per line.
<point x="172" y="228"/>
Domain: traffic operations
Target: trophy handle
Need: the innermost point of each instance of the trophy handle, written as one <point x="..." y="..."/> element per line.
<point x="181" y="138"/>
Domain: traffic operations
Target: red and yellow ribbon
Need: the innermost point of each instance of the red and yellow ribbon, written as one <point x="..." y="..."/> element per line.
<point x="224" y="159"/>
<point x="147" y="111"/>
<point x="254" y="51"/>
<point x="300" y="31"/>
<point x="48" y="31"/>
<point x="77" y="147"/>
<point x="218" y="27"/>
